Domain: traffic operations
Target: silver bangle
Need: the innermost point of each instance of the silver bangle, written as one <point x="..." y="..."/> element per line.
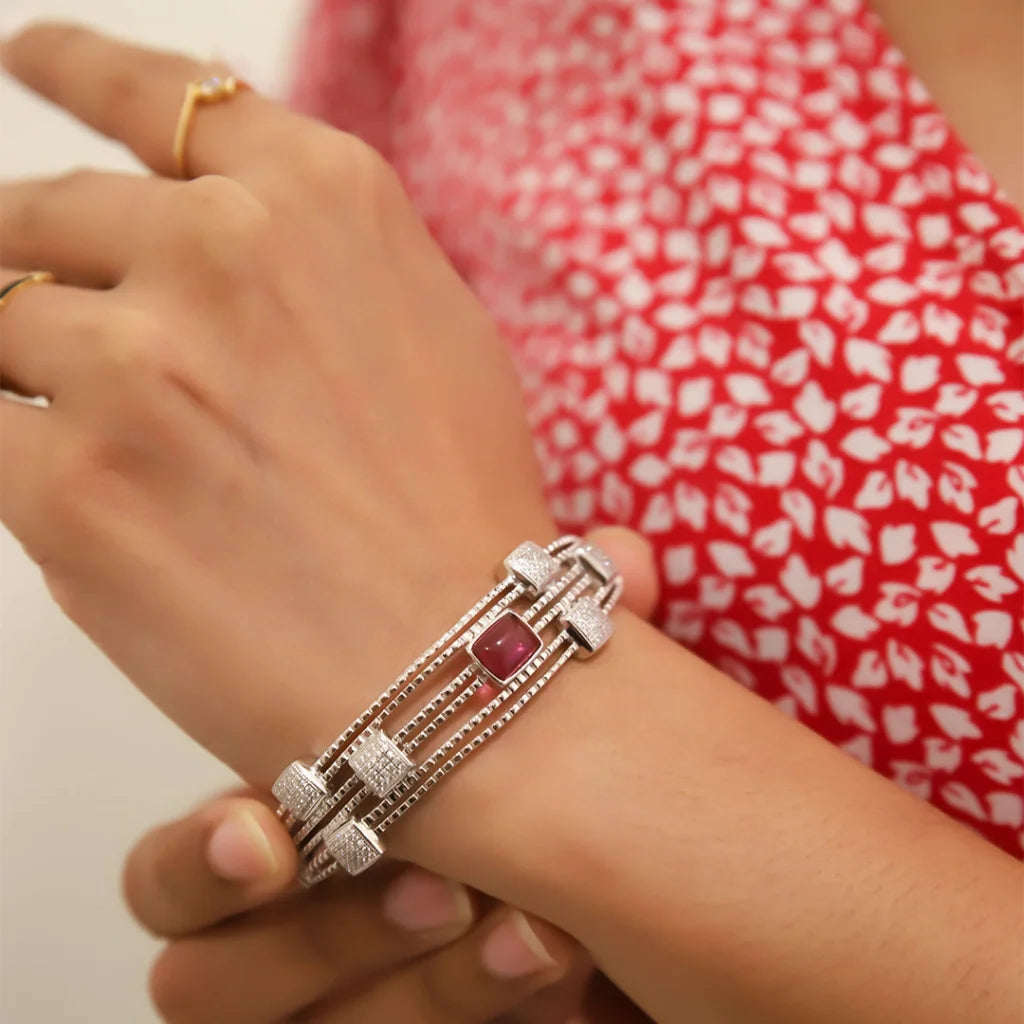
<point x="496" y="650"/>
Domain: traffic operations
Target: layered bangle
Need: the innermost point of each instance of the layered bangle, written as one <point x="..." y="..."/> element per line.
<point x="551" y="604"/>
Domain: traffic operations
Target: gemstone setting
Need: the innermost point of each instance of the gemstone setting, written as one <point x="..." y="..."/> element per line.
<point x="596" y="560"/>
<point x="532" y="565"/>
<point x="505" y="646"/>
<point x="300" y="788"/>
<point x="379" y="762"/>
<point x="217" y="87"/>
<point x="353" y="845"/>
<point x="589" y="625"/>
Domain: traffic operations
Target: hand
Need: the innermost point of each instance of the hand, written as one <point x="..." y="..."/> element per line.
<point x="401" y="944"/>
<point x="285" y="445"/>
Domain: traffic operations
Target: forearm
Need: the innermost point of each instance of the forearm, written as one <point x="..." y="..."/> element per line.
<point x="722" y="861"/>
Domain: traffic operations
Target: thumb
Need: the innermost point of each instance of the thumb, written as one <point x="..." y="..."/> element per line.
<point x="634" y="558"/>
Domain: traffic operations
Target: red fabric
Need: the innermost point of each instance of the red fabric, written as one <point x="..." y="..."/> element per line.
<point x="767" y="311"/>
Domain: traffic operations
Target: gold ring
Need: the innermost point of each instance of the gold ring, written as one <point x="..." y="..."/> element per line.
<point x="37" y="277"/>
<point x="201" y="92"/>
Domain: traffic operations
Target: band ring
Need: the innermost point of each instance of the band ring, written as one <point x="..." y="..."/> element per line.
<point x="200" y="92"/>
<point x="36" y="277"/>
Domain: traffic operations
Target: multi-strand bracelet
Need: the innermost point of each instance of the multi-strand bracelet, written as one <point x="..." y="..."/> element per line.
<point x="338" y="807"/>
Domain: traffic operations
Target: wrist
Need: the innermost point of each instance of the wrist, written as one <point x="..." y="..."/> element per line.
<point x="517" y="820"/>
<point x="491" y="815"/>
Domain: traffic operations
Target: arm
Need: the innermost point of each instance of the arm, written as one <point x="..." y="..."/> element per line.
<point x="713" y="854"/>
<point x="262" y="584"/>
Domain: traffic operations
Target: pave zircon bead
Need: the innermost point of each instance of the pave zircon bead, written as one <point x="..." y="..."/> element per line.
<point x="379" y="762"/>
<point x="532" y="565"/>
<point x="588" y="623"/>
<point x="594" y="559"/>
<point x="300" y="788"/>
<point x="354" y="846"/>
<point x="505" y="646"/>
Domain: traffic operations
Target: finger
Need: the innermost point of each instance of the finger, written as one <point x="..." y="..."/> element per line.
<point x="43" y="332"/>
<point x="135" y="95"/>
<point x="486" y="973"/>
<point x="272" y="962"/>
<point x="225" y="858"/>
<point x="86" y="227"/>
<point x="633" y="556"/>
<point x="28" y="438"/>
<point x="559" y="1003"/>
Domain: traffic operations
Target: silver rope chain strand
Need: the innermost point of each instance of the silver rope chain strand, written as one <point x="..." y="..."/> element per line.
<point x="496" y="656"/>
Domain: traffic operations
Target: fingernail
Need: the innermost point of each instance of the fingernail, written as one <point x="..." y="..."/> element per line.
<point x="419" y="900"/>
<point x="514" y="950"/>
<point x="239" y="850"/>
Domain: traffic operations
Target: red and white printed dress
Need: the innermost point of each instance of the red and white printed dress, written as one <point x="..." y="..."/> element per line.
<point x="767" y="310"/>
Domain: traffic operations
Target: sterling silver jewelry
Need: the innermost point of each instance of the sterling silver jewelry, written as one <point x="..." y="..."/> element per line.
<point x="497" y="651"/>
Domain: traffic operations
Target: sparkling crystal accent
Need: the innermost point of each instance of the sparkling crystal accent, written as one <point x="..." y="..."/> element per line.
<point x="380" y="762"/>
<point x="594" y="559"/>
<point x="505" y="646"/>
<point x="589" y="624"/>
<point x="354" y="846"/>
<point x="300" y="788"/>
<point x="218" y="87"/>
<point x="532" y="565"/>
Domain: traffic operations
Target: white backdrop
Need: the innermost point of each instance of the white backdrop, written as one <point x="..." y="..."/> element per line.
<point x="72" y="725"/>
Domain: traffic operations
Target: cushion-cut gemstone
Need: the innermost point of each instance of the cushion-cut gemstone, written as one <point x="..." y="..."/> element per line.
<point x="505" y="646"/>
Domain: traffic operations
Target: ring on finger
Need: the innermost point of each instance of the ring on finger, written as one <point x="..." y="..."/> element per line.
<point x="201" y="92"/>
<point x="36" y="277"/>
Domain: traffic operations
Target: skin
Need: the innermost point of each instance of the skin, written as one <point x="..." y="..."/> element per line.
<point x="970" y="57"/>
<point x="247" y="944"/>
<point x="197" y="399"/>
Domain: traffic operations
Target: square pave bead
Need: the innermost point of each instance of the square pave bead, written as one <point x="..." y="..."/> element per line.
<point x="588" y="623"/>
<point x="594" y="559"/>
<point x="300" y="788"/>
<point x="354" y="846"/>
<point x="532" y="565"/>
<point x="380" y="762"/>
<point x="505" y="646"/>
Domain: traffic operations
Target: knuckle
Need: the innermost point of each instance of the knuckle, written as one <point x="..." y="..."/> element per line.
<point x="91" y="460"/>
<point x="130" y="344"/>
<point x="88" y="476"/>
<point x="342" y="165"/>
<point x="214" y="218"/>
<point x="119" y="90"/>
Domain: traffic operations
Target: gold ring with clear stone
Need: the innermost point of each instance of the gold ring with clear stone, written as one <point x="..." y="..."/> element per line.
<point x="201" y="92"/>
<point x="36" y="277"/>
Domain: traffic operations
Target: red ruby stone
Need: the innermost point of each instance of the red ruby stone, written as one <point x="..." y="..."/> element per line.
<point x="505" y="646"/>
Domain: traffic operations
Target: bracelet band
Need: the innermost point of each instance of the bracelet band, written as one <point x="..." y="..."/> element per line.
<point x="499" y="655"/>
